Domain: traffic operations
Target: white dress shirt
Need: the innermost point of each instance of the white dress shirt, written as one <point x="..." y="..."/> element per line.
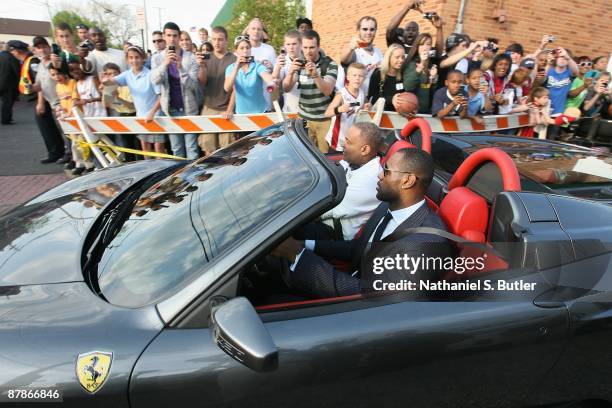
<point x="359" y="201"/>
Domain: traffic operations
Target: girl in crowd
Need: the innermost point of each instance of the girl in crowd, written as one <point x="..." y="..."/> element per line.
<point x="247" y="77"/>
<point x="145" y="95"/>
<point x="498" y="79"/>
<point x="598" y="95"/>
<point x="386" y="81"/>
<point x="580" y="84"/>
<point x="477" y="91"/>
<point x="539" y="113"/>
<point x="185" y="41"/>
<point x="419" y="72"/>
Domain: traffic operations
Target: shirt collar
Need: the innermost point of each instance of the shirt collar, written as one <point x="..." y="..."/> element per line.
<point x="401" y="215"/>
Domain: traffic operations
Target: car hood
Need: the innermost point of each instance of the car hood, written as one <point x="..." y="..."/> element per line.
<point x="41" y="240"/>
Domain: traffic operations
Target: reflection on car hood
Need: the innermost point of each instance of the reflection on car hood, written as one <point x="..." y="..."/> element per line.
<point x="41" y="240"/>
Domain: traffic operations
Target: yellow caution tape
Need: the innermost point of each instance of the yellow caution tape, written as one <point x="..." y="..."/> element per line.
<point x="109" y="149"/>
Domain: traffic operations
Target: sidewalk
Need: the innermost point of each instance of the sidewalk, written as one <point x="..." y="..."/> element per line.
<point x="22" y="176"/>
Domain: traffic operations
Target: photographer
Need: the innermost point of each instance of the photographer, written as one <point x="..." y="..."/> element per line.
<point x="212" y="76"/>
<point x="559" y="79"/>
<point x="68" y="51"/>
<point x="420" y="71"/>
<point x="247" y="78"/>
<point x="598" y="96"/>
<point x="406" y="36"/>
<point x="290" y="52"/>
<point x="361" y="49"/>
<point x="316" y="75"/>
<point x="176" y="72"/>
<point x="580" y="85"/>
<point x="458" y="48"/>
<point x="262" y="52"/>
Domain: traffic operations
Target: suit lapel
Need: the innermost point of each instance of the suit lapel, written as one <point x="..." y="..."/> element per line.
<point x="367" y="232"/>
<point x="415" y="220"/>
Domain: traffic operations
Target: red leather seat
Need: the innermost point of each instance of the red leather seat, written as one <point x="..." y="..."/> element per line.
<point x="465" y="213"/>
<point x="397" y="145"/>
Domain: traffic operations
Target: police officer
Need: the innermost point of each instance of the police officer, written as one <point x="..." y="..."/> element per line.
<point x="9" y="77"/>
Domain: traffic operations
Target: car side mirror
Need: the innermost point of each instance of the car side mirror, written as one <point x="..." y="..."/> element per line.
<point x="238" y="331"/>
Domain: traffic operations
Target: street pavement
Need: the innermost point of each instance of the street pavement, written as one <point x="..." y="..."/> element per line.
<point x="22" y="176"/>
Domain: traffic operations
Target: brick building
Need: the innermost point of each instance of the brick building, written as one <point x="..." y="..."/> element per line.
<point x="582" y="27"/>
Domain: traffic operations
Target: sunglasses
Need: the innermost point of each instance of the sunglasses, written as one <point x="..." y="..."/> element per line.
<point x="586" y="64"/>
<point x="156" y="41"/>
<point x="241" y="38"/>
<point x="387" y="170"/>
<point x="368" y="29"/>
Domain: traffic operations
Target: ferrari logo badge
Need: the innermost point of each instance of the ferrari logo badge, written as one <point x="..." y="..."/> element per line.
<point x="92" y="369"/>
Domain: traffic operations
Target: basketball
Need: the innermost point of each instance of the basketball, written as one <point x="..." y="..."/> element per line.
<point x="405" y="103"/>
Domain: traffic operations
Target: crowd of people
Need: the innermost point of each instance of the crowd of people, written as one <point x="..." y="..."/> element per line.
<point x="452" y="76"/>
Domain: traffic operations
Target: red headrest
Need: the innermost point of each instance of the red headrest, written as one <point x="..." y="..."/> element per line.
<point x="465" y="213"/>
<point x="397" y="145"/>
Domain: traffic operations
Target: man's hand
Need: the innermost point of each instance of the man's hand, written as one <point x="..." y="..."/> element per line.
<point x="40" y="109"/>
<point x="588" y="82"/>
<point x="295" y="67"/>
<point x="437" y="21"/>
<point x="311" y="69"/>
<point x="170" y="58"/>
<point x="288" y="249"/>
<point x="83" y="52"/>
<point x="281" y="60"/>
<point x="544" y="41"/>
<point x="344" y="108"/>
<point x="562" y="52"/>
<point x="200" y="59"/>
<point x="56" y="60"/>
<point x="417" y="4"/>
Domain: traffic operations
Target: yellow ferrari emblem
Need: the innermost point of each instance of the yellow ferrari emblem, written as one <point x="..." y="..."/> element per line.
<point x="92" y="369"/>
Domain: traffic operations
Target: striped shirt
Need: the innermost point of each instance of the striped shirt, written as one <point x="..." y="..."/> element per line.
<point x="313" y="102"/>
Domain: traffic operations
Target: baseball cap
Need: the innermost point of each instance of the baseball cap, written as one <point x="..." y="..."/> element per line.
<point x="528" y="63"/>
<point x="455" y="39"/>
<point x="38" y="41"/>
<point x="17" y="45"/>
<point x="82" y="26"/>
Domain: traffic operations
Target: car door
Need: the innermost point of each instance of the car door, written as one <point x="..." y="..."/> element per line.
<point x="364" y="352"/>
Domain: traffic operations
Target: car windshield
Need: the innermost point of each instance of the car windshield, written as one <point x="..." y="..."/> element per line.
<point x="185" y="221"/>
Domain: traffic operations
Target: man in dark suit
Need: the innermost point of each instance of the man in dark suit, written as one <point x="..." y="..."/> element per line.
<point x="401" y="188"/>
<point x="9" y="79"/>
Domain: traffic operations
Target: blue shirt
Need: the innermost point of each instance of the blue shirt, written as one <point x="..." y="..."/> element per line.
<point x="144" y="93"/>
<point x="558" y="85"/>
<point x="475" y="103"/>
<point x="249" y="92"/>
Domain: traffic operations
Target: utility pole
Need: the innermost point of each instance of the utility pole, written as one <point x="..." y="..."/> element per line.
<point x="146" y="44"/>
<point x="159" y="19"/>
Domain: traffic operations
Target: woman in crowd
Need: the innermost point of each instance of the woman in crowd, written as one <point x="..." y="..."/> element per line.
<point x="145" y="95"/>
<point x="498" y="77"/>
<point x="386" y="81"/>
<point x="247" y="77"/>
<point x="185" y="41"/>
<point x="420" y="73"/>
<point x="580" y="84"/>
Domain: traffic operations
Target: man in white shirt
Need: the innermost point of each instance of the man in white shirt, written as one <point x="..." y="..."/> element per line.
<point x="402" y="187"/>
<point x="292" y="46"/>
<point x="362" y="166"/>
<point x="102" y="55"/>
<point x="262" y="52"/>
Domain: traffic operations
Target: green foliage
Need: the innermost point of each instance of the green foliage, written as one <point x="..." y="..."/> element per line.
<point x="278" y="17"/>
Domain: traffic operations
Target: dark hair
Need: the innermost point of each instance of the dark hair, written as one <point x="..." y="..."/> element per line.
<point x="471" y="71"/>
<point x="303" y="20"/>
<point x="312" y="34"/>
<point x="219" y="29"/>
<point x="497" y="59"/>
<point x="38" y="41"/>
<point x="454" y="71"/>
<point x="597" y="59"/>
<point x="583" y="58"/>
<point x="516" y="47"/>
<point x="63" y="27"/>
<point x="157" y="32"/>
<point x="111" y="65"/>
<point x="420" y="163"/>
<point x="171" y="26"/>
<point x="371" y="134"/>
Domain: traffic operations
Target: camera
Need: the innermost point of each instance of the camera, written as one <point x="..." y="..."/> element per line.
<point x="432" y="53"/>
<point x="301" y="62"/>
<point x="491" y="46"/>
<point x="354" y="104"/>
<point x="429" y="15"/>
<point x="171" y="48"/>
<point x="551" y="38"/>
<point x="206" y="55"/>
<point x="87" y="44"/>
<point x="283" y="51"/>
<point x="55" y="49"/>
<point x="249" y="59"/>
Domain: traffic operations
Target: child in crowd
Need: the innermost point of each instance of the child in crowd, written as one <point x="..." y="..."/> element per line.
<point x="539" y="112"/>
<point x="344" y="106"/>
<point x="477" y="90"/>
<point x="68" y="96"/>
<point x="450" y="100"/>
<point x="145" y="95"/>
<point x="118" y="101"/>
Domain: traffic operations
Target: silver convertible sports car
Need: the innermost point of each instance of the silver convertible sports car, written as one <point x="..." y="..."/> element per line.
<point x="151" y="285"/>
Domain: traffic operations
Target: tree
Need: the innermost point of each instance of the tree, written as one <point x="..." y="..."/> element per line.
<point x="72" y="18"/>
<point x="118" y="21"/>
<point x="278" y="17"/>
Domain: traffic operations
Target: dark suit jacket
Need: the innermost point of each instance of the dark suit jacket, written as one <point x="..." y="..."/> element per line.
<point x="314" y="275"/>
<point x="9" y="72"/>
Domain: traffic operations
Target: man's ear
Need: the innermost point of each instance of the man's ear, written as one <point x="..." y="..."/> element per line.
<point x="408" y="181"/>
<point x="366" y="150"/>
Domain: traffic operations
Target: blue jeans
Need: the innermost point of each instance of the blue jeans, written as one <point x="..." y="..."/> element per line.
<point x="184" y="145"/>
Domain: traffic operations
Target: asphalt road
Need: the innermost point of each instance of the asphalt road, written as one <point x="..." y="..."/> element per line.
<point x="22" y="176"/>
